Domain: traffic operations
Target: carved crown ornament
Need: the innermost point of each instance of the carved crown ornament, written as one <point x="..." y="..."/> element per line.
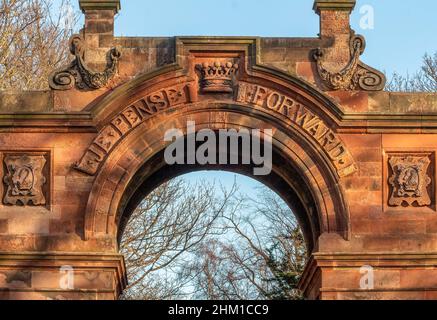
<point x="79" y="73"/>
<point x="24" y="180"/>
<point x="218" y="77"/>
<point x="356" y="75"/>
<point x="409" y="181"/>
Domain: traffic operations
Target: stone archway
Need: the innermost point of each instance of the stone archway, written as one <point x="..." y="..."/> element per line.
<point x="356" y="164"/>
<point x="116" y="181"/>
<point x="309" y="158"/>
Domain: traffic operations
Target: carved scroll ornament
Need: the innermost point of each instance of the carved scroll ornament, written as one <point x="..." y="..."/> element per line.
<point x="24" y="180"/>
<point x="356" y="75"/>
<point x="410" y="181"/>
<point x="79" y="73"/>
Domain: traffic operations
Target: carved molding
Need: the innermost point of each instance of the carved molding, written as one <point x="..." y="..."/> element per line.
<point x="303" y="119"/>
<point x="250" y="94"/>
<point x="356" y="75"/>
<point x="130" y="118"/>
<point x="85" y="5"/>
<point x="79" y="73"/>
<point x="218" y="77"/>
<point x="24" y="180"/>
<point x="409" y="181"/>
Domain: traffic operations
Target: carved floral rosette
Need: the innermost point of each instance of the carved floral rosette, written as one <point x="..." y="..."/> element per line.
<point x="24" y="180"/>
<point x="79" y="73"/>
<point x="409" y="181"/>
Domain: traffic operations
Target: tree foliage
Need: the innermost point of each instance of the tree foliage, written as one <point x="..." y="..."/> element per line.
<point x="192" y="242"/>
<point x="425" y="80"/>
<point x="168" y="226"/>
<point x="34" y="38"/>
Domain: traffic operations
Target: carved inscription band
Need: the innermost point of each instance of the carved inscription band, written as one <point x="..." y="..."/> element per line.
<point x="130" y="118"/>
<point x="256" y="95"/>
<point x="302" y="118"/>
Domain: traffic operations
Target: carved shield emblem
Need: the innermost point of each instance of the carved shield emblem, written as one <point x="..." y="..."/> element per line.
<point x="409" y="181"/>
<point x="24" y="180"/>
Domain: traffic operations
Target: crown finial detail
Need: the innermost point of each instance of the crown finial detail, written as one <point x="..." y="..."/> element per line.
<point x="217" y="76"/>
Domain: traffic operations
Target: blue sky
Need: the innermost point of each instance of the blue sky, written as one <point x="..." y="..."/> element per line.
<point x="404" y="30"/>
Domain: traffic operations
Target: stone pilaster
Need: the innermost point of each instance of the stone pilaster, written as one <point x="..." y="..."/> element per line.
<point x="99" y="28"/>
<point x="334" y="16"/>
<point x="335" y="24"/>
<point x="61" y="276"/>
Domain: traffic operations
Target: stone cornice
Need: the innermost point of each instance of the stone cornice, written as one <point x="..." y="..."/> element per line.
<point x="348" y="122"/>
<point x="376" y="259"/>
<point x="100" y="5"/>
<point x="58" y="256"/>
<point x="339" y="5"/>
<point x="88" y="260"/>
<point x="47" y="122"/>
<point x="358" y="259"/>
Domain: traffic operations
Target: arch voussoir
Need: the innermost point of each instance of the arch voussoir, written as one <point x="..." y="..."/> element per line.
<point x="310" y="159"/>
<point x="122" y="167"/>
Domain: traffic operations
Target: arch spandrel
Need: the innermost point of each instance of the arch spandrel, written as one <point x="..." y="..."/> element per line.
<point x="226" y="89"/>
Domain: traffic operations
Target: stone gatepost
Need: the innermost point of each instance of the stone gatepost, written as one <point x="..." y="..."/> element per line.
<point x="335" y="27"/>
<point x="98" y="31"/>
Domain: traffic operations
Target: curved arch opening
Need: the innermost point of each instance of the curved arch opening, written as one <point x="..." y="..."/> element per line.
<point x="284" y="179"/>
<point x="299" y="172"/>
<point x="127" y="157"/>
<point x="212" y="235"/>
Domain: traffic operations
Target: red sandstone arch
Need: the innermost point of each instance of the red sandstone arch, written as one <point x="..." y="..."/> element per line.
<point x="130" y="158"/>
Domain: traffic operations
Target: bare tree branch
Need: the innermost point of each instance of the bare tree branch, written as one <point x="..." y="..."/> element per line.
<point x="425" y="80"/>
<point x="33" y="41"/>
<point x="170" y="223"/>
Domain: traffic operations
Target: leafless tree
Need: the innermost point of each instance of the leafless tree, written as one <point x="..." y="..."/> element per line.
<point x="170" y="223"/>
<point x="425" y="80"/>
<point x="192" y="242"/>
<point x="34" y="38"/>
<point x="261" y="257"/>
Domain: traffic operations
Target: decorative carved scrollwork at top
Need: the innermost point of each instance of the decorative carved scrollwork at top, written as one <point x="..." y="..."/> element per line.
<point x="79" y="74"/>
<point x="356" y="75"/>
